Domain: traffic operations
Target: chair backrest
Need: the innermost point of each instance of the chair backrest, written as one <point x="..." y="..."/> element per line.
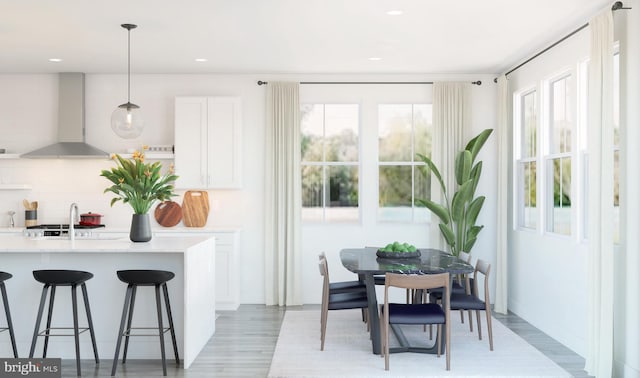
<point x="323" y="267"/>
<point x="417" y="282"/>
<point x="324" y="272"/>
<point x="464" y="256"/>
<point x="483" y="268"/>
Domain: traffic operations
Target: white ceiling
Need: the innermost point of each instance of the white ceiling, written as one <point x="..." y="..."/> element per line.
<point x="282" y="36"/>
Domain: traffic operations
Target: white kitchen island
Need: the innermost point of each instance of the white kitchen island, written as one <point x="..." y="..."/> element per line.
<point x="191" y="292"/>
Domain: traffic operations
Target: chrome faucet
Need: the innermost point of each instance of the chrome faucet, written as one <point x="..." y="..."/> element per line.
<point x="12" y="222"/>
<point x="72" y="220"/>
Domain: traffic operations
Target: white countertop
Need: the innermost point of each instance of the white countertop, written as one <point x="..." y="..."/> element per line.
<point x="109" y="229"/>
<point x="18" y="243"/>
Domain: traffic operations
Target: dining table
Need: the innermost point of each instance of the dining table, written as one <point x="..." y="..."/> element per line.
<point x="366" y="264"/>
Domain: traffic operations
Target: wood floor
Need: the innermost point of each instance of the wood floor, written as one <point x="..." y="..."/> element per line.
<point x="245" y="340"/>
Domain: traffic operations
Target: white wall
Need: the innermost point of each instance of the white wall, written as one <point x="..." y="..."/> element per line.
<point x="547" y="273"/>
<point x="28" y="118"/>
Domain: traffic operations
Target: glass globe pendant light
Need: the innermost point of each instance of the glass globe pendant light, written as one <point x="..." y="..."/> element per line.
<point x="126" y="120"/>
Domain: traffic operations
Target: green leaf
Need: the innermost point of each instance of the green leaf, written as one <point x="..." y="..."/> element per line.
<point x="476" y="171"/>
<point x="437" y="209"/>
<point x="463" y="166"/>
<point x="475" y="144"/>
<point x="473" y="231"/>
<point x="473" y="210"/>
<point x="459" y="201"/>
<point x="434" y="170"/>
<point x="469" y="244"/>
<point x="448" y="234"/>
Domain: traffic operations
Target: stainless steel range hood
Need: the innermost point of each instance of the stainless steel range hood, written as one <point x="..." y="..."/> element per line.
<point x="71" y="143"/>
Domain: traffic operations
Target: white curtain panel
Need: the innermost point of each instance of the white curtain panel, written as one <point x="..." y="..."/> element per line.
<point x="283" y="260"/>
<point x="502" y="226"/>
<point x="599" y="357"/>
<point x="451" y="114"/>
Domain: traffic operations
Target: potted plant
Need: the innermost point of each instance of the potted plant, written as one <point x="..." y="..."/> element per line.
<point x="458" y="213"/>
<point x="140" y="185"/>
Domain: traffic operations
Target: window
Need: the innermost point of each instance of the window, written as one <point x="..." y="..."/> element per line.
<point x="527" y="117"/>
<point x="330" y="154"/>
<point x="403" y="131"/>
<point x="561" y="106"/>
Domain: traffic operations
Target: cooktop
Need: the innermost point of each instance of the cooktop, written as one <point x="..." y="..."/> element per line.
<point x="63" y="226"/>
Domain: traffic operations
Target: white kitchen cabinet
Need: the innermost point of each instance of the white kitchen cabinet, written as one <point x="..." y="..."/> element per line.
<point x="227" y="272"/>
<point x="227" y="278"/>
<point x="208" y="132"/>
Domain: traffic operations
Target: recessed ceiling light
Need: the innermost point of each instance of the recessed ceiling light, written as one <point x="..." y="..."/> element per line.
<point x="55" y="60"/>
<point x="395" y="12"/>
<point x="201" y="60"/>
<point x="375" y="58"/>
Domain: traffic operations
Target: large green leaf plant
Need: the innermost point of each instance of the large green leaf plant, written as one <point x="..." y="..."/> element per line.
<point x="459" y="212"/>
<point x="138" y="183"/>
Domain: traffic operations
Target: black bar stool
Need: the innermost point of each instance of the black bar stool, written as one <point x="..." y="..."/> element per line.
<point x="5" y="301"/>
<point x="135" y="278"/>
<point x="52" y="279"/>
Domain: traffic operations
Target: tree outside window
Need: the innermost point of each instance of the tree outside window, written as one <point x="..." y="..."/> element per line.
<point x="330" y="166"/>
<point x="403" y="131"/>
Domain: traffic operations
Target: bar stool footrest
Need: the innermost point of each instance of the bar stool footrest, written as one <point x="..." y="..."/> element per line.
<point x="127" y="332"/>
<point x="44" y="334"/>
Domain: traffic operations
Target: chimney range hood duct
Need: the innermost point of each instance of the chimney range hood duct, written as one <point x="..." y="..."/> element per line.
<point x="71" y="144"/>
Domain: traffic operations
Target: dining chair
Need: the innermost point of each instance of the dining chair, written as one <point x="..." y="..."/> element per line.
<point x="344" y="286"/>
<point x="472" y="301"/>
<point x="337" y="300"/>
<point x="347" y="287"/>
<point x="416" y="313"/>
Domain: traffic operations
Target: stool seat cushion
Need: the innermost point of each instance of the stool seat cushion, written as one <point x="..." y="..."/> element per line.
<point x="5" y="276"/>
<point x="145" y="277"/>
<point x="61" y="277"/>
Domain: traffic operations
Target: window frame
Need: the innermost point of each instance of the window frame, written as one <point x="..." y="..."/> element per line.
<point x="520" y="161"/>
<point x="548" y="156"/>
<point x="325" y="165"/>
<point x="414" y="164"/>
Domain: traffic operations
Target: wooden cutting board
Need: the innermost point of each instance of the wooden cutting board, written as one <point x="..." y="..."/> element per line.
<point x="195" y="208"/>
<point x="168" y="213"/>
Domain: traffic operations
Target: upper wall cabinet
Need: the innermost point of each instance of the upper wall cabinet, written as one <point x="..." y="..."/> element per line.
<point x="208" y="132"/>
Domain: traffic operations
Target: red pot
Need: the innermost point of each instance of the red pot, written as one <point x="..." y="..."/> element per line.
<point x="90" y="219"/>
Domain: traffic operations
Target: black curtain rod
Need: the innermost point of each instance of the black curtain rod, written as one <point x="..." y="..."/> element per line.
<point x="260" y="82"/>
<point x="616" y="6"/>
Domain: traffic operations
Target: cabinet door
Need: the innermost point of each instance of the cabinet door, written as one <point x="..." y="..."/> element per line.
<point x="191" y="142"/>
<point x="227" y="276"/>
<point x="224" y="142"/>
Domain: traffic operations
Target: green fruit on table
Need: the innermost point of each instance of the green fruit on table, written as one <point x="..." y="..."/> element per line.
<point x="398" y="247"/>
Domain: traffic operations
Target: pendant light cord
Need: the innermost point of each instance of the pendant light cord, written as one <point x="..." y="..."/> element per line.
<point x="129" y="27"/>
<point x="128" y="65"/>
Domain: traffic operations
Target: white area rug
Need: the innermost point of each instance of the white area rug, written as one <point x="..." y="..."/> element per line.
<point x="347" y="351"/>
